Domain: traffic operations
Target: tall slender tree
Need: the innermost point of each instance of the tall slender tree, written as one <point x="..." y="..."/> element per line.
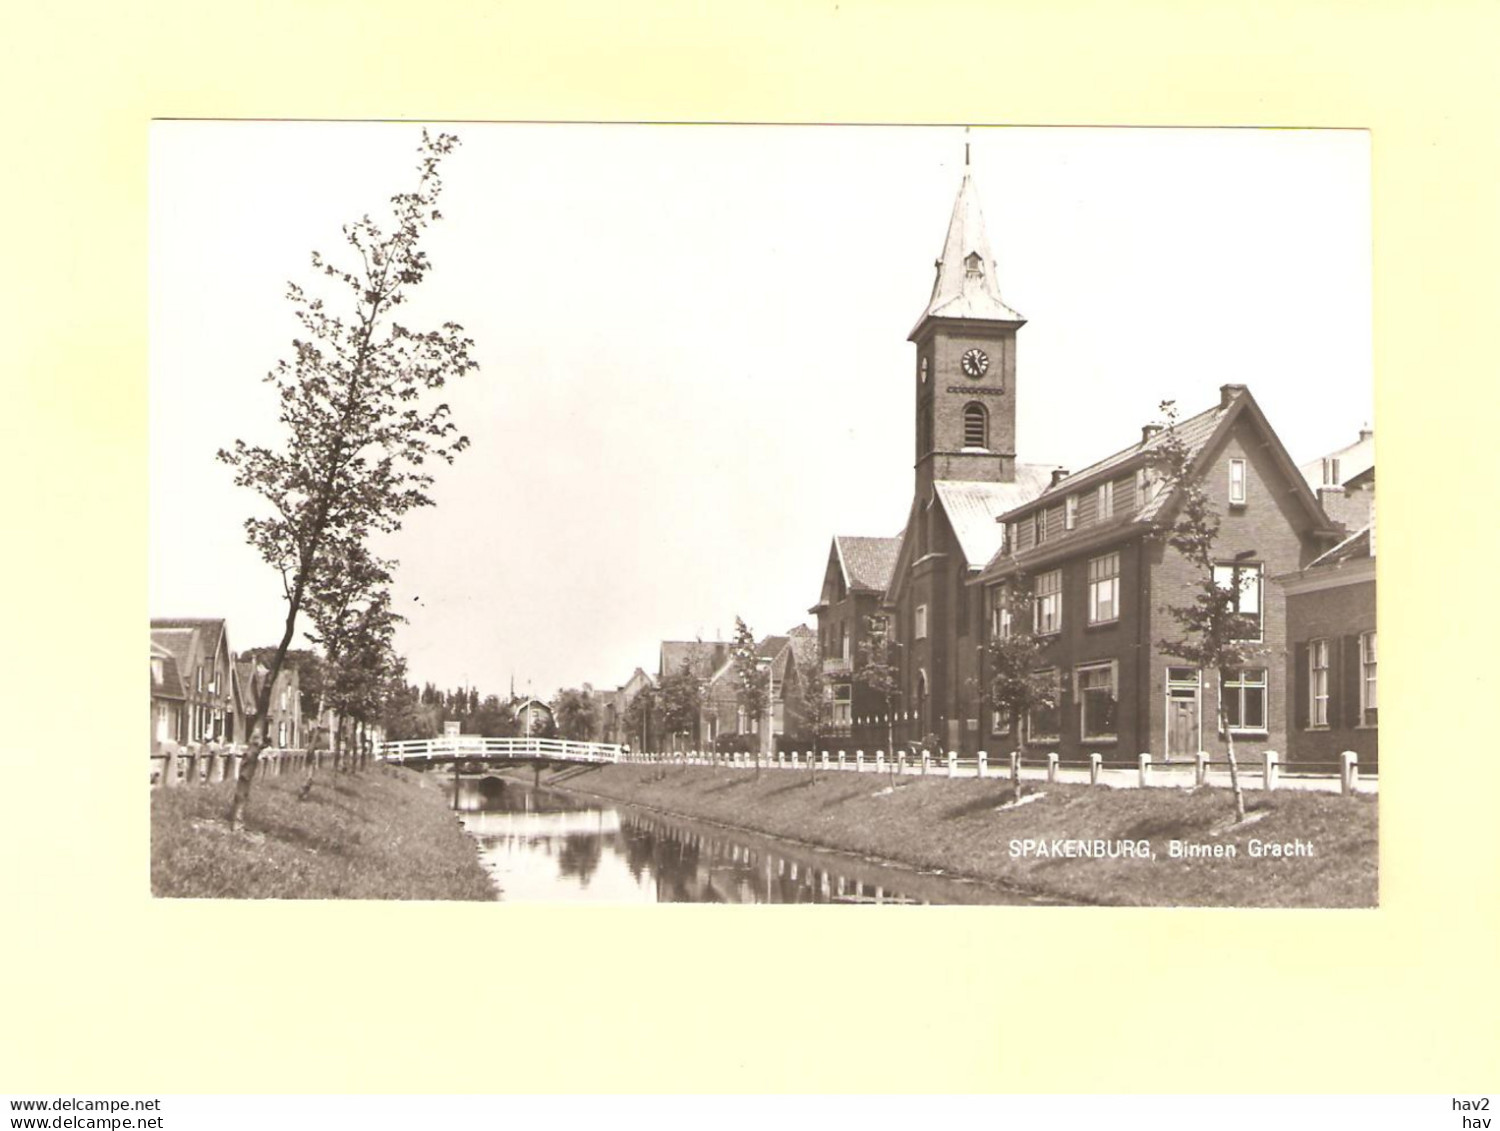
<point x="751" y="694"/>
<point x="879" y="670"/>
<point x="1215" y="634"/>
<point x="359" y="434"/>
<point x="1018" y="683"/>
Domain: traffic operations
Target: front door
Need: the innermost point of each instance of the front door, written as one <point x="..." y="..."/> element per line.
<point x="1183" y="735"/>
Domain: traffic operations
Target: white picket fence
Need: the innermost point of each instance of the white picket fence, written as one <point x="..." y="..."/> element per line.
<point x="1266" y="772"/>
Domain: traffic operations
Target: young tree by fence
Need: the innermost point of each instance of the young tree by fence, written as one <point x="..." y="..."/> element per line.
<point x="1019" y="681"/>
<point x="359" y="438"/>
<point x="640" y="713"/>
<point x="879" y="669"/>
<point x="1215" y="635"/>
<point x="750" y="693"/>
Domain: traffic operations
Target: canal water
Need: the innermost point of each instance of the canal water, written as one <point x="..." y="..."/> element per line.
<point x="546" y="845"/>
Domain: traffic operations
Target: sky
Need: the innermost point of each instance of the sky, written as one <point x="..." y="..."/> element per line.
<point x="692" y="344"/>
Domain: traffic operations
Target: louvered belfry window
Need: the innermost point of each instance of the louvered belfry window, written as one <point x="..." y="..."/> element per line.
<point x="975" y="427"/>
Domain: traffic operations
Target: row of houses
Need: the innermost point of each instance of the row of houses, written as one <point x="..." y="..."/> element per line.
<point x="202" y="692"/>
<point x="721" y="720"/>
<point x="1088" y="550"/>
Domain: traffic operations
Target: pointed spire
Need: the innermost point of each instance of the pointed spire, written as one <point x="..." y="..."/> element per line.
<point x="967" y="285"/>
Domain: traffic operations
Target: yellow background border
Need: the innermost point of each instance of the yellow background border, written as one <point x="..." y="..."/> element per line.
<point x="104" y="990"/>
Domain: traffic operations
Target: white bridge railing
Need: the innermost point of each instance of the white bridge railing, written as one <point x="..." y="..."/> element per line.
<point x="477" y="746"/>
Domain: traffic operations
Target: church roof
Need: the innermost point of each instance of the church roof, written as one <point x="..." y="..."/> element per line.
<point x="967" y="283"/>
<point x="973" y="507"/>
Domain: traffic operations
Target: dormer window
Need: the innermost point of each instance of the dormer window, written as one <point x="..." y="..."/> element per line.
<point x="974" y="265"/>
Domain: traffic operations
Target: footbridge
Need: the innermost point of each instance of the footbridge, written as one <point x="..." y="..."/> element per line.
<point x="466" y="748"/>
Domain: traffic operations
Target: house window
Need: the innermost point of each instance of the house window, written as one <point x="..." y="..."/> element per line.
<point x="920" y="629"/>
<point x="976" y="426"/>
<point x="1248" y="602"/>
<point x="1317" y="690"/>
<point x="1000" y="720"/>
<point x="1236" y="482"/>
<point x="1367" y="702"/>
<point x="843" y="706"/>
<point x="999" y="612"/>
<point x="158" y="672"/>
<point x="1104" y="589"/>
<point x="1145" y="487"/>
<point x="1106" y="499"/>
<point x="1070" y="512"/>
<point x="1243" y="694"/>
<point x="1039" y="527"/>
<point x="198" y="678"/>
<point x="1042" y="721"/>
<point x="1047" y="610"/>
<point x="1097" y="699"/>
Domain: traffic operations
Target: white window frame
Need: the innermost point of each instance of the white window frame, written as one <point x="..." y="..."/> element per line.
<point x="1106" y="501"/>
<point x="1369" y="698"/>
<point x="1039" y="525"/>
<point x="1237" y="489"/>
<point x="919" y="625"/>
<point x="1318" y="674"/>
<point x="1070" y="512"/>
<point x="1047" y="600"/>
<point x="999" y="720"/>
<point x="1031" y="735"/>
<point x="1257" y="570"/>
<point x="1098" y="581"/>
<point x="1240" y="684"/>
<point x="1080" y="695"/>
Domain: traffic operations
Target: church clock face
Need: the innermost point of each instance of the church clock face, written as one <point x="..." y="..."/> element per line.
<point x="975" y="363"/>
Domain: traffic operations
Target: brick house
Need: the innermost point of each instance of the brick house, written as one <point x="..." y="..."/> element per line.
<point x="615" y="709"/>
<point x="1330" y="611"/>
<point x="854" y="584"/>
<point x="284" y="723"/>
<point x="200" y="649"/>
<point x="1340" y="481"/>
<point x="1090" y="554"/>
<point x="702" y="658"/>
<point x="781" y="658"/>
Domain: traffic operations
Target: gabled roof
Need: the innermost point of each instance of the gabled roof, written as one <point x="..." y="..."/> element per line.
<point x="973" y="507"/>
<point x="170" y="684"/>
<point x="1195" y="432"/>
<point x="701" y="656"/>
<point x="867" y="562"/>
<point x="211" y="628"/>
<point x="805" y="641"/>
<point x="967" y="284"/>
<point x="1203" y="434"/>
<point x="1352" y="548"/>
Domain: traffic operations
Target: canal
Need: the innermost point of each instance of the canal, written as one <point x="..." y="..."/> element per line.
<point x="547" y="845"/>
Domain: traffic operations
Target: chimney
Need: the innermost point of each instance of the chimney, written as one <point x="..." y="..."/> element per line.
<point x="1366" y="432"/>
<point x="1227" y="393"/>
<point x="1058" y="475"/>
<point x="1148" y="431"/>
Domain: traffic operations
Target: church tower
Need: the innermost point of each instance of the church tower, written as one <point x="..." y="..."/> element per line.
<point x="966" y="360"/>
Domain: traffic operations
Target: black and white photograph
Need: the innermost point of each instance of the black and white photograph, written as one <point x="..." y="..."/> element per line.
<point x="640" y="513"/>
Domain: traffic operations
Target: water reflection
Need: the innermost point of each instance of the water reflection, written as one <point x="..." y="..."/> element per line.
<point x="545" y="845"/>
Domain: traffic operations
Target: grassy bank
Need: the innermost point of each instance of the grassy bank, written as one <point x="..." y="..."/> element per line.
<point x="358" y="836"/>
<point x="958" y="826"/>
